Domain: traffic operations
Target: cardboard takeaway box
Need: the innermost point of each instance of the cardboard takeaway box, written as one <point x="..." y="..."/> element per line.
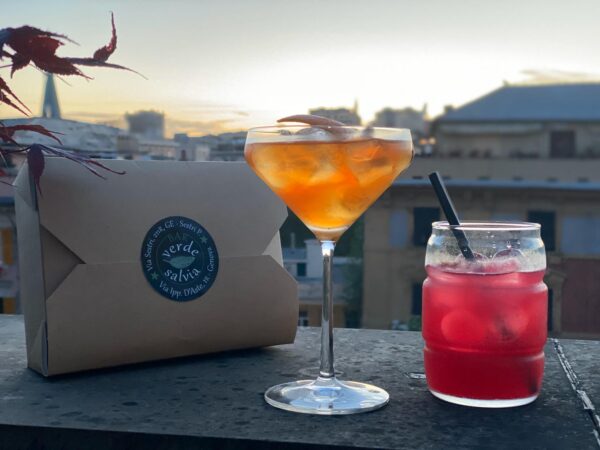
<point x="170" y="259"/>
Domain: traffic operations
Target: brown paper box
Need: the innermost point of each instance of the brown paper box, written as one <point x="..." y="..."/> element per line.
<point x="86" y="300"/>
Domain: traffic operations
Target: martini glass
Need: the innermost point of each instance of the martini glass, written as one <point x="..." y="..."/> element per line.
<point x="328" y="176"/>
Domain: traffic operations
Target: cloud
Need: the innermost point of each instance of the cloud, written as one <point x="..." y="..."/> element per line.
<point x="204" y="109"/>
<point x="550" y="76"/>
<point x="195" y="121"/>
<point x="111" y="119"/>
<point x="206" y="119"/>
<point x="199" y="127"/>
<point x="94" y="115"/>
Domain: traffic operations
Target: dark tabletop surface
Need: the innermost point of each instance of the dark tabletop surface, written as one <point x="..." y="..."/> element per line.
<point x="581" y="363"/>
<point x="216" y="401"/>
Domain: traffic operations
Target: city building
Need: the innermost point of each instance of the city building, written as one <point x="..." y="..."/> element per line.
<point x="189" y="150"/>
<point x="398" y="226"/>
<point x="145" y="138"/>
<point x="221" y="147"/>
<point x="416" y="121"/>
<point x="524" y="121"/>
<point x="519" y="153"/>
<point x="343" y="115"/>
<point x="306" y="265"/>
<point x="132" y="146"/>
<point x="147" y="124"/>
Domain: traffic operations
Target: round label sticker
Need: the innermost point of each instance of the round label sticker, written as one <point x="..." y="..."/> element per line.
<point x="179" y="259"/>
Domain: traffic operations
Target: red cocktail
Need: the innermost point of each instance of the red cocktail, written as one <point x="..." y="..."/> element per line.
<point x="484" y="321"/>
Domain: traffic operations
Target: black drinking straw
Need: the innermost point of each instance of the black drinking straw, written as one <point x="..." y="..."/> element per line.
<point x="450" y="212"/>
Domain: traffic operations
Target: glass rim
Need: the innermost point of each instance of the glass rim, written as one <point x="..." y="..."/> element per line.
<point x="492" y="225"/>
<point x="268" y="128"/>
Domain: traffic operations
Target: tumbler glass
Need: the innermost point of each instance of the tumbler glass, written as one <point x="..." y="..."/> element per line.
<point x="485" y="319"/>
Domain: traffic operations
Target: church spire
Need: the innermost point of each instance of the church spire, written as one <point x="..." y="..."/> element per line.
<point x="355" y="106"/>
<point x="50" y="108"/>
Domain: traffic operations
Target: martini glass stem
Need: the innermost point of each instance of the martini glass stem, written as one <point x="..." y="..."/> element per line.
<point x="327" y="370"/>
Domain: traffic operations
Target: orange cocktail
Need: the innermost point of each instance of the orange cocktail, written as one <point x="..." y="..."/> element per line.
<point x="329" y="184"/>
<point x="328" y="174"/>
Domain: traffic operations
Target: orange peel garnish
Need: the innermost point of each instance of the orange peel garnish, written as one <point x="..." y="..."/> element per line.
<point x="309" y="119"/>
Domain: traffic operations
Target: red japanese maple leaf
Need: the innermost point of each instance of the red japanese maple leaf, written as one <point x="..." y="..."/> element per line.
<point x="30" y="45"/>
<point x="7" y="133"/>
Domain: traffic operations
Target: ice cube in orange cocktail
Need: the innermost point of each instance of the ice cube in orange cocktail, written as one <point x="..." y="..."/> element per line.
<point x="329" y="183"/>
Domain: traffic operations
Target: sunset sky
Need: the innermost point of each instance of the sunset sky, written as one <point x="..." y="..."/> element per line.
<point x="224" y="65"/>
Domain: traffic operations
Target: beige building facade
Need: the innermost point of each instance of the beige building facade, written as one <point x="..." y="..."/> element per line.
<point x="519" y="140"/>
<point x="524" y="121"/>
<point x="566" y="170"/>
<point x="398" y="225"/>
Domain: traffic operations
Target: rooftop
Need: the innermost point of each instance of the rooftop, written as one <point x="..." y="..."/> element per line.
<point x="555" y="102"/>
<point x="74" y="135"/>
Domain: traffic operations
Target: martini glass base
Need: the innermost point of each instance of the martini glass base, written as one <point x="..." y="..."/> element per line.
<point x="326" y="396"/>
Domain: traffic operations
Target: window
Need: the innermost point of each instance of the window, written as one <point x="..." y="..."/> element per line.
<point x="417" y="299"/>
<point x="303" y="319"/>
<point x="550" y="312"/>
<point x="580" y="235"/>
<point x="547" y="219"/>
<point x="398" y="228"/>
<point x="301" y="269"/>
<point x="422" y="219"/>
<point x="562" y="144"/>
